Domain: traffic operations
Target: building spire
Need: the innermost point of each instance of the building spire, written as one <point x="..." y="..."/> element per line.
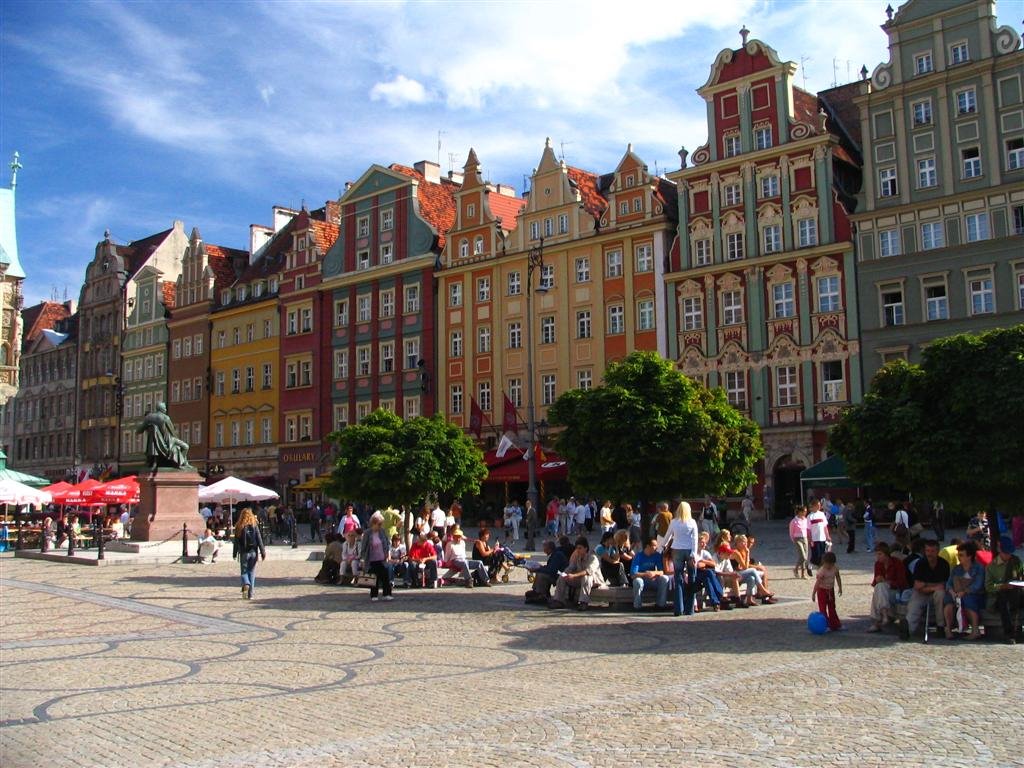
<point x="15" y="167"/>
<point x="744" y="33"/>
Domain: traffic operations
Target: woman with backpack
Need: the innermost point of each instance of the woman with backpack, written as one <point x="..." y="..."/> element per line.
<point x="248" y="545"/>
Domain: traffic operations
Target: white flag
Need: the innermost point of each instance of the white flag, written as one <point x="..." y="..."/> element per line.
<point x="503" y="446"/>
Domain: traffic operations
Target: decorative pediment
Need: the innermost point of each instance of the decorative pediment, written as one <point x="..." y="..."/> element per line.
<point x="824" y="266"/>
<point x="829" y="346"/>
<point x="769" y="213"/>
<point x="804" y="207"/>
<point x="690" y="288"/>
<point x="700" y="227"/>
<point x="779" y="273"/>
<point x="733" y="357"/>
<point x="752" y="48"/>
<point x="732" y="221"/>
<point x="729" y="282"/>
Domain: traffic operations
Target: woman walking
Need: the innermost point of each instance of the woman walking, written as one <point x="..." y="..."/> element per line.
<point x="798" y="535"/>
<point x="373" y="551"/>
<point x="248" y="545"/>
<point x="682" y="539"/>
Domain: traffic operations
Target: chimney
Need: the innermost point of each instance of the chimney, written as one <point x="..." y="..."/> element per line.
<point x="431" y="171"/>
<point x="455" y="176"/>
<point x="507" y="190"/>
<point x="259" y="236"/>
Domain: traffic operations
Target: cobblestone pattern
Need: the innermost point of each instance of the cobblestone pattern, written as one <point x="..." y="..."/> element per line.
<point x="167" y="666"/>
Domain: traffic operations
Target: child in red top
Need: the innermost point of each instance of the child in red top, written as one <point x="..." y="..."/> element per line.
<point x="825" y="583"/>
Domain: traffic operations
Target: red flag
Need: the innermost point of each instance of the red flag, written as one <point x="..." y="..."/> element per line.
<point x="476" y="417"/>
<point x="510" y="421"/>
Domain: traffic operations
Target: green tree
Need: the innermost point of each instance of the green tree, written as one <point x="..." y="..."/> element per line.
<point x="385" y="460"/>
<point x="951" y="428"/>
<point x="649" y="432"/>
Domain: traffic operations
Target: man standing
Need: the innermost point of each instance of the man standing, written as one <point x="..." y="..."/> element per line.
<point x="648" y="571"/>
<point x="817" y="526"/>
<point x="930" y="576"/>
<point x="437" y="519"/>
<point x="850" y="523"/>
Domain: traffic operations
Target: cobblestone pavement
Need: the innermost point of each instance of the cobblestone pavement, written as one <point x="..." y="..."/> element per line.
<point x="167" y="666"/>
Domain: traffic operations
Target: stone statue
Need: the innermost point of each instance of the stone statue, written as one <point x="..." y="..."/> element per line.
<point x="163" y="446"/>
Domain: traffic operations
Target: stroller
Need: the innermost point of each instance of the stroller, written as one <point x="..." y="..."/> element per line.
<point x="506" y="561"/>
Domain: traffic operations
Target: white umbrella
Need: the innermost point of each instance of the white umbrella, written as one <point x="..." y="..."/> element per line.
<point x="233" y="490"/>
<point x="13" y="492"/>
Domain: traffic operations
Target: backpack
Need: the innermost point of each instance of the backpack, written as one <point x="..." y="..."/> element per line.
<point x="249" y="539"/>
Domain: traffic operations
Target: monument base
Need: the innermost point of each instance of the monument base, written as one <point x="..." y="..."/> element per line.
<point x="167" y="499"/>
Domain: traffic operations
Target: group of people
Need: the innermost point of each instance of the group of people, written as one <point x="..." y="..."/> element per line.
<point x="676" y="557"/>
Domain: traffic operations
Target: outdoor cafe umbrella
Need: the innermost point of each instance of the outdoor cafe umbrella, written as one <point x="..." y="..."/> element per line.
<point x="232" y="490"/>
<point x="13" y="492"/>
<point x="124" y="490"/>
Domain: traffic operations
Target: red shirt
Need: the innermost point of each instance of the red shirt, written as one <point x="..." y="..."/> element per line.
<point x="892" y="573"/>
<point x="422" y="549"/>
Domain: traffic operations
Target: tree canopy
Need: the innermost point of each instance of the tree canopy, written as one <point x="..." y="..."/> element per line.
<point x="951" y="428"/>
<point x="650" y="432"/>
<point x="385" y="460"/>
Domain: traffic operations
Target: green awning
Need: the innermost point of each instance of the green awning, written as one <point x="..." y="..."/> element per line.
<point x="21" y="477"/>
<point x="830" y="473"/>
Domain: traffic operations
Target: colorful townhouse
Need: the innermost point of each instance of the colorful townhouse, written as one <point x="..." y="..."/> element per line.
<point x="380" y="275"/>
<point x="206" y="271"/>
<point x="761" y="284"/>
<point x="941" y="213"/>
<point x="599" y="244"/>
<point x="305" y="320"/>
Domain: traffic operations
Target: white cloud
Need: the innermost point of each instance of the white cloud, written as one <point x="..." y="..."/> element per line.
<point x="399" y="91"/>
<point x="266" y="92"/>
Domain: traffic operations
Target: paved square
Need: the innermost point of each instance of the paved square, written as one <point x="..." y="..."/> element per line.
<point x="164" y="665"/>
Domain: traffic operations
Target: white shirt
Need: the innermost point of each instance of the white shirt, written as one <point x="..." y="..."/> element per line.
<point x="437" y="518"/>
<point x="684" y="534"/>
<point x="817" y="524"/>
<point x="455" y="550"/>
<point x="581" y="513"/>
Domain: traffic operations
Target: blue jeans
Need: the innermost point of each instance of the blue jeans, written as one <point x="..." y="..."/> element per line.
<point x="682" y="601"/>
<point x="247" y="563"/>
<point x="869" y="536"/>
<point x="707" y="578"/>
<point x="640" y="585"/>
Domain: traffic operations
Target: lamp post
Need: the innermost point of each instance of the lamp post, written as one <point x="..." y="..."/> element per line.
<point x="535" y="260"/>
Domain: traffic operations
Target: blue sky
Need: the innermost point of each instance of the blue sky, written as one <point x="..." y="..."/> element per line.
<point x="130" y="115"/>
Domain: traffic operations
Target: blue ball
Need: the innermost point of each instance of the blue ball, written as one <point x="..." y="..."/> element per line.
<point x="817" y="624"/>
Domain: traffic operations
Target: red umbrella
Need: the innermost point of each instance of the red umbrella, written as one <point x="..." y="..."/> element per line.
<point x="124" y="490"/>
<point x="79" y="494"/>
<point x="58" y="488"/>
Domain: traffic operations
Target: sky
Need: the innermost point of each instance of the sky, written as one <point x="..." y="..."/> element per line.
<point x="130" y="115"/>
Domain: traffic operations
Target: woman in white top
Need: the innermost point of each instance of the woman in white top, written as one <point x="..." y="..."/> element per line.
<point x="682" y="537"/>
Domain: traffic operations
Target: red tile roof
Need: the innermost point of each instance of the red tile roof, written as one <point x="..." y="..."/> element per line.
<point x="587" y="183"/>
<point x="437" y="201"/>
<point x="665" y="192"/>
<point x="805" y="107"/>
<point x="843" y="113"/>
<point x="43" y="316"/>
<point x="325" y="233"/>
<point x="167" y="288"/>
<point x="506" y="208"/>
<point x="222" y="263"/>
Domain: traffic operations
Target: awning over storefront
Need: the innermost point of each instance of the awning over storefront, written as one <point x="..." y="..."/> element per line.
<point x="512" y="468"/>
<point x="830" y="473"/>
<point x="314" y="484"/>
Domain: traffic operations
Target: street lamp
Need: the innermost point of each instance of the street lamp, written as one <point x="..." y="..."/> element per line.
<point x="535" y="260"/>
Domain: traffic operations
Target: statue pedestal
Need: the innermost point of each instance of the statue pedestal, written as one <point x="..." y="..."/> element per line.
<point x="168" y="499"/>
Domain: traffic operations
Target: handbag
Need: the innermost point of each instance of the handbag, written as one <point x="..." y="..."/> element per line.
<point x="668" y="566"/>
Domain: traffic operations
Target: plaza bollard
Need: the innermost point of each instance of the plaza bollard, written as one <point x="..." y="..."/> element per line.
<point x="184" y="542"/>
<point x="99" y="542"/>
<point x="21" y="537"/>
<point x="71" y="540"/>
<point x="295" y="534"/>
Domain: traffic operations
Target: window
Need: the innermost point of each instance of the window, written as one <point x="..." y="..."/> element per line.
<point x="770" y="186"/>
<point x="534" y="230"/>
<point x="732" y="146"/>
<point x="613" y="264"/>
<point x="771" y="237"/>
<point x="977" y="227"/>
<point x="387" y="357"/>
<point x="249" y="432"/>
<point x="732" y="194"/>
<point x="807" y="232"/>
<point x="175" y="391"/>
<point x="387" y="253"/>
<point x="363" y="226"/>
<point x="1018" y="219"/>
<point x="293" y="325"/>
<point x="478" y="245"/>
<point x="268" y="374"/>
<point x="483" y="395"/>
<point x="923" y="63"/>
<point x="583" y="324"/>
<point x="702" y="252"/>
<point x="971" y="162"/>
<point x="362" y="260"/>
<point x="250" y="378"/>
<point x="782" y="300"/>
<point x="644" y="258"/>
<point x="1020" y="287"/>
<point x="547" y="330"/>
<point x="785" y="386"/>
<point x="583" y="269"/>
<point x="455" y="398"/>
<point x="515" y="283"/>
<point x="935" y="298"/>
<point x="547" y="386"/>
<point x="515" y="392"/>
<point x="832" y="381"/>
<point x="762" y="137"/>
<point x="236" y="381"/>
<point x="463" y="248"/>
<point x="734" y="246"/>
<point x="645" y="315"/>
<point x="219" y="386"/>
<point x="387" y="219"/>
<point x="892" y="305"/>
<point x="979" y="287"/>
<point x="218" y="439"/>
<point x="483" y="289"/>
<point x="292" y="375"/>
<point x="362" y="410"/>
<point x="926" y="173"/>
<point x="638" y="204"/>
<point x="364" y="305"/>
<point x="483" y="339"/>
<point x="235" y="432"/>
<point x="412" y="299"/>
<point x="515" y="335"/>
<point x="411" y="407"/>
<point x="547" y="276"/>
<point x="563" y="223"/>
<point x="966" y="102"/>
<point x="363" y="361"/>
<point x="306" y="314"/>
<point x="616" y="319"/>
<point x="887" y="186"/>
<point x="584" y="380"/>
<point x="455" y="344"/>
<point x="889" y="242"/>
<point x="736" y="389"/>
<point x="922" y="111"/>
<point x="693" y="313"/>
<point x="958" y="53"/>
<point x="268" y="328"/>
<point x="176" y="349"/>
<point x="1015" y="154"/>
<point x="412" y="353"/>
<point x="387" y="303"/>
<point x="732" y="307"/>
<point x="828" y="293"/>
<point x="455" y="294"/>
<point x="549" y="227"/>
<point x="932" y="235"/>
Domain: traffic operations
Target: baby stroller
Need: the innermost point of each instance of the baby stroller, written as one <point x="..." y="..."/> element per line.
<point x="507" y="561"/>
